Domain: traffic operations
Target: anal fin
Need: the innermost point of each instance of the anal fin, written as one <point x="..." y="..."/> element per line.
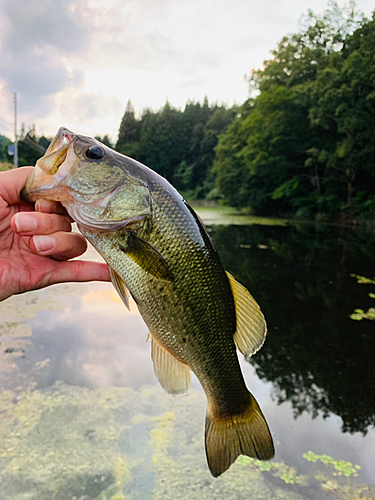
<point x="120" y="287"/>
<point x="174" y="376"/>
<point x="251" y="328"/>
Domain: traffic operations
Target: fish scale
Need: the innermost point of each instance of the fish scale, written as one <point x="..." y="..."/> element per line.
<point x="158" y="249"/>
<point x="190" y="305"/>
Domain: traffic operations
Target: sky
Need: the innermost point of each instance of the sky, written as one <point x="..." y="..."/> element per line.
<point x="76" y="63"/>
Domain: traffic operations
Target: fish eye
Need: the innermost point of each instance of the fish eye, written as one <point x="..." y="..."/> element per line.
<point x="95" y="152"/>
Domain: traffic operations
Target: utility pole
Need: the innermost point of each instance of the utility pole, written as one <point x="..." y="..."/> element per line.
<point x="15" y="132"/>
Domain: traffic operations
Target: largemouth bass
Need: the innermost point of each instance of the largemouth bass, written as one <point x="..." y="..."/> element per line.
<point x="159" y="251"/>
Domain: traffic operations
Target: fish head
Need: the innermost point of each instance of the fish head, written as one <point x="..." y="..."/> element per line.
<point x="93" y="182"/>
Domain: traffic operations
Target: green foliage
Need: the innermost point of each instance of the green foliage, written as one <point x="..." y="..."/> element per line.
<point x="5" y="166"/>
<point x="269" y="173"/>
<point x="104" y="140"/>
<point x="245" y="460"/>
<point x="163" y="143"/>
<point x="30" y="148"/>
<point x="363" y="279"/>
<point x="289" y="474"/>
<point x="129" y="133"/>
<point x="278" y="469"/>
<point x="287" y="477"/>
<point x="4" y="141"/>
<point x="263" y="466"/>
<point x="303" y="147"/>
<point x="177" y="144"/>
<point x="196" y="177"/>
<point x="232" y="177"/>
<point x="360" y="314"/>
<point x="299" y="56"/>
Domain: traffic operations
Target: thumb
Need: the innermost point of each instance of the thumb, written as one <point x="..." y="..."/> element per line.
<point x="12" y="181"/>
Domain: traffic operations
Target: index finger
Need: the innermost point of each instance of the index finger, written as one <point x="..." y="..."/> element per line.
<point x="11" y="183"/>
<point x="51" y="207"/>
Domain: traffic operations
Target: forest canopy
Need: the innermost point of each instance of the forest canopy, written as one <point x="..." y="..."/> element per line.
<point x="179" y="145"/>
<point x="304" y="146"/>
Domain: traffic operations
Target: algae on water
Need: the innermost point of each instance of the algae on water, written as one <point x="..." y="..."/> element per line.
<point x="67" y="442"/>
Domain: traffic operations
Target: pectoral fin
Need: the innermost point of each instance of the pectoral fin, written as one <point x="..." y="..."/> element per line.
<point x="251" y="326"/>
<point x="120" y="287"/>
<point x="147" y="257"/>
<point x="174" y="376"/>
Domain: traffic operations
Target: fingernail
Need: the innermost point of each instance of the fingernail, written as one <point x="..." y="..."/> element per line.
<point x="44" y="206"/>
<point x="24" y="223"/>
<point x="43" y="243"/>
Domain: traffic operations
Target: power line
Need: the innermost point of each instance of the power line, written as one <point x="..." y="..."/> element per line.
<point x="6" y="93"/>
<point x="27" y="140"/>
<point x="5" y="132"/>
<point x="6" y="126"/>
<point x="5" y="123"/>
<point x="8" y="122"/>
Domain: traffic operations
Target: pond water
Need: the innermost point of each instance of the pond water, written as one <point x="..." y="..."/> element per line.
<point x="82" y="415"/>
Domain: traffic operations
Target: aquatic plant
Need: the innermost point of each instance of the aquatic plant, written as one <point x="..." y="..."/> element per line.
<point x="360" y="314"/>
<point x="342" y="467"/>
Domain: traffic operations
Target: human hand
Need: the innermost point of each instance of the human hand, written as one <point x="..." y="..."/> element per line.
<point x="36" y="243"/>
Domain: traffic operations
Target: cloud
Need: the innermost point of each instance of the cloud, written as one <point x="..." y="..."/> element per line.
<point x="57" y="23"/>
<point x="35" y="39"/>
<point x="90" y="107"/>
<point x="153" y="52"/>
<point x="189" y="83"/>
<point x="61" y="55"/>
<point x="36" y="76"/>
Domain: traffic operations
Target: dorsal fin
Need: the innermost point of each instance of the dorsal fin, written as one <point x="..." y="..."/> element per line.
<point x="174" y="376"/>
<point x="120" y="287"/>
<point x="251" y="326"/>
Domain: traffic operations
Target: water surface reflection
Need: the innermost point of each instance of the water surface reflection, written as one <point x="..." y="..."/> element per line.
<point x="315" y="355"/>
<point x="78" y="362"/>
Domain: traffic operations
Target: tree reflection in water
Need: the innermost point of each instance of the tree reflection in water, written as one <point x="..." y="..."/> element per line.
<point x="315" y="356"/>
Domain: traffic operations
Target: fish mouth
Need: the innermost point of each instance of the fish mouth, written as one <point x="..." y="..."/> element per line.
<point x="45" y="181"/>
<point x="63" y="138"/>
<point x="50" y="181"/>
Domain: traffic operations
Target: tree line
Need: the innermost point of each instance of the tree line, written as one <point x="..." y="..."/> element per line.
<point x="301" y="146"/>
<point x="304" y="146"/>
<point x="180" y="145"/>
<point x="30" y="148"/>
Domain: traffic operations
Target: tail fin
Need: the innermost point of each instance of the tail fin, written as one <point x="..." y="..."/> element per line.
<point x="231" y="436"/>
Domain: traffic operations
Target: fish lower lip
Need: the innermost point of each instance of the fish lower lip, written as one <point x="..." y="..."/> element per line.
<point x="25" y="196"/>
<point x="41" y="185"/>
<point x="46" y="192"/>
